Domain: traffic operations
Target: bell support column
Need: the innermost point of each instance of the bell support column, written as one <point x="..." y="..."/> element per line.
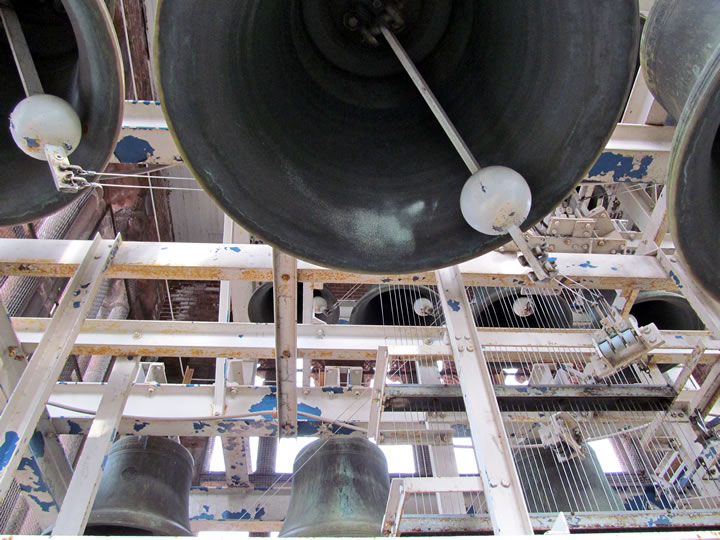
<point x="503" y="493"/>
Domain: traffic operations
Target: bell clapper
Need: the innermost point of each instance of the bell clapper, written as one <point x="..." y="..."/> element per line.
<point x="43" y="126"/>
<point x="495" y="200"/>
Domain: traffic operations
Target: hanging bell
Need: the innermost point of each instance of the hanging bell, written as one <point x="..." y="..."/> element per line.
<point x="551" y="485"/>
<point x="680" y="55"/>
<point x="310" y="134"/>
<point x="261" y="305"/>
<point x="144" y="490"/>
<point x="669" y="311"/>
<point x="507" y="308"/>
<point x="340" y="488"/>
<point x="77" y="57"/>
<point x="398" y="305"/>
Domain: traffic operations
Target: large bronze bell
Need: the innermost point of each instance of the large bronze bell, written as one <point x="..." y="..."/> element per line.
<point x="669" y="311"/>
<point x="261" y="306"/>
<point x="340" y="488"/>
<point x="75" y="51"/>
<point x="575" y="485"/>
<point x="398" y="305"/>
<point x="680" y="54"/>
<point x="507" y="308"/>
<point x="144" y="490"/>
<point x="318" y="142"/>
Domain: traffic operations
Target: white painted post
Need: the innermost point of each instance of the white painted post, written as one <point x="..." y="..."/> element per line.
<point x="80" y="497"/>
<point x="285" y="293"/>
<point x="27" y="402"/>
<point x="503" y="493"/>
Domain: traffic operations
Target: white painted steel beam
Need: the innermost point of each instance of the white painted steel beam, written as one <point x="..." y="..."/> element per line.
<point x="376" y="397"/>
<point x="44" y="471"/>
<point x="501" y="484"/>
<point x="177" y="260"/>
<point x="343" y="342"/>
<point x="285" y="280"/>
<point x="27" y="401"/>
<point x="75" y="511"/>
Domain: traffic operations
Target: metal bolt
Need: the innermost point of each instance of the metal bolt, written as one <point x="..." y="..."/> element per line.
<point x="233" y="390"/>
<point x="470" y="348"/>
<point x="613" y="251"/>
<point x="645" y="330"/>
<point x="601" y="243"/>
<point x="285" y="277"/>
<point x="428" y="341"/>
<point x="586" y="234"/>
<point x="306" y="392"/>
<point x="321" y="333"/>
<point x="501" y="249"/>
<point x="461" y="348"/>
<point x="673" y="259"/>
<point x="553" y="231"/>
<point x="492" y="484"/>
<point x="585" y="247"/>
<point x="551" y="247"/>
<point x="357" y="392"/>
<point x="136" y="335"/>
<point x="151" y="389"/>
<point x="467" y="337"/>
<point x="505" y="483"/>
<point x="576" y="247"/>
<point x="567" y="242"/>
<point x="457" y="337"/>
<point x="286" y="354"/>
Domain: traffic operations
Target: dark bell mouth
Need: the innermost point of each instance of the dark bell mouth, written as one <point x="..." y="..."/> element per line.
<point x="347" y="32"/>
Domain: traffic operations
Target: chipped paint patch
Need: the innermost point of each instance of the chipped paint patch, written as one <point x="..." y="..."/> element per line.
<point x="131" y="149"/>
<point x="199" y="426"/>
<point x="31" y="142"/>
<point x="139" y="426"/>
<point x="454" y="305"/>
<point x="305" y="408"/>
<point x="333" y="389"/>
<point x="676" y="279"/>
<point x="267" y="403"/>
<point x="621" y="168"/>
<point x="8" y="448"/>
<point x="587" y="264"/>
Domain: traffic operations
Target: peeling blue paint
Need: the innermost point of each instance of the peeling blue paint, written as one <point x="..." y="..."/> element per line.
<point x="75" y="428"/>
<point x="259" y="513"/>
<point x="37" y="444"/>
<point x="76" y="304"/>
<point x="204" y="515"/>
<point x="45" y="506"/>
<point x="85" y="286"/>
<point x="131" y="149"/>
<point x="224" y="427"/>
<point x="138" y="426"/>
<point x="234" y="248"/>
<point x="415" y="278"/>
<point x="32" y="143"/>
<point x="7" y="448"/>
<point x="267" y="403"/>
<point x="200" y="488"/>
<point x="613" y="268"/>
<point x="333" y="389"/>
<point x="552" y="259"/>
<point x="104" y="462"/>
<point x="305" y="408"/>
<point x="587" y="264"/>
<point x="386" y="280"/>
<point x="454" y="305"/>
<point x="621" y="167"/>
<point x="660" y="520"/>
<point x="676" y="279"/>
<point x="197" y="426"/>
<point x="308" y="428"/>
<point x="678" y="337"/>
<point x="240" y="335"/>
<point x="242" y="514"/>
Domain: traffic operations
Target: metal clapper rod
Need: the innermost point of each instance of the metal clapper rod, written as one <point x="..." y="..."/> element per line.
<point x="27" y="117"/>
<point x="541" y="268"/>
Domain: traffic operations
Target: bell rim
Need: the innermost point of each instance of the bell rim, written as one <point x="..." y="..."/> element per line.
<point x="692" y="130"/>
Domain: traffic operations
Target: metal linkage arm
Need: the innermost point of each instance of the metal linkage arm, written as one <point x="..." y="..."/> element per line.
<point x="27" y="402"/>
<point x="20" y="50"/>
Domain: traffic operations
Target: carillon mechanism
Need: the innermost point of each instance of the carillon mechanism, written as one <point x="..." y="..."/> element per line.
<point x="340" y="487"/>
<point x="73" y="78"/>
<point x="312" y="104"/>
